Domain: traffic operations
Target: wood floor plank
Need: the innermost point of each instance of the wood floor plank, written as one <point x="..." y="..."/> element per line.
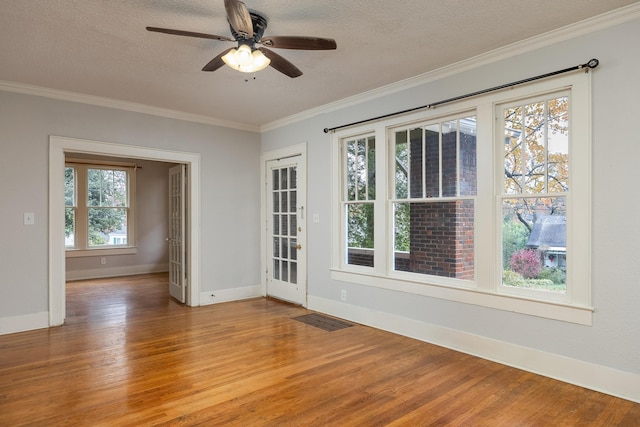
<point x="128" y="355"/>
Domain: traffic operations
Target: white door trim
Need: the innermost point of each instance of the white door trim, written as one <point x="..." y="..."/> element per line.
<point x="294" y="150"/>
<point x="57" y="148"/>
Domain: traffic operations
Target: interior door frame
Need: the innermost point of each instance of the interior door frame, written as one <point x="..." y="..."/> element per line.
<point x="58" y="146"/>
<point x="294" y="150"/>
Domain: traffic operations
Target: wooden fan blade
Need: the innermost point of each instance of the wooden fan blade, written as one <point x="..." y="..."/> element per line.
<point x="216" y="62"/>
<point x="189" y="34"/>
<point x="299" y="42"/>
<point x="281" y="64"/>
<point x="239" y="17"/>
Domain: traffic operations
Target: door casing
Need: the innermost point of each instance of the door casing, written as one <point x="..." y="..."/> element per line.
<point x="300" y="151"/>
<point x="58" y="146"/>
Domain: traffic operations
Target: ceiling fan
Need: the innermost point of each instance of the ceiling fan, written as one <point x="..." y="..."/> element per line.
<point x="247" y="29"/>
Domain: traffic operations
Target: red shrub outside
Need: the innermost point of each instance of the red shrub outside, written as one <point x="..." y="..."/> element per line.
<point x="526" y="262"/>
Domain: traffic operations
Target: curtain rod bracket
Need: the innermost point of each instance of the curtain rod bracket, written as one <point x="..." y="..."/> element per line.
<point x="592" y="63"/>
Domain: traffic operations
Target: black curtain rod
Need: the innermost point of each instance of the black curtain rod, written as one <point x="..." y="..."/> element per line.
<point x="593" y="63"/>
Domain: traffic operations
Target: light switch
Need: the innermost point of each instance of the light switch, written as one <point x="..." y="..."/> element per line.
<point x="29" y="218"/>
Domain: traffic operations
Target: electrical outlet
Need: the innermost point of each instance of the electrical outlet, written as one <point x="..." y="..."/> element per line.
<point x="343" y="295"/>
<point x="103" y="260"/>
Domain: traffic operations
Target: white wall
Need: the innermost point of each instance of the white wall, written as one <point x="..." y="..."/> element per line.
<point x="230" y="241"/>
<point x="612" y="343"/>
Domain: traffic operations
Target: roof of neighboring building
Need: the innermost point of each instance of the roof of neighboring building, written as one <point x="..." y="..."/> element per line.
<point x="549" y="231"/>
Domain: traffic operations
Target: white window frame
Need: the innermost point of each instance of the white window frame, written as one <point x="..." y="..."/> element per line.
<point x="375" y="202"/>
<point x="486" y="288"/>
<point x="391" y="200"/>
<point x="81" y="245"/>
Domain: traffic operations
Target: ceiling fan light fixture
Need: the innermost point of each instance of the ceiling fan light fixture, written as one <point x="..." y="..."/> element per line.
<point x="244" y="60"/>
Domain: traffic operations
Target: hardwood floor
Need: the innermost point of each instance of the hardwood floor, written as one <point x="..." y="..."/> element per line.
<point x="129" y="355"/>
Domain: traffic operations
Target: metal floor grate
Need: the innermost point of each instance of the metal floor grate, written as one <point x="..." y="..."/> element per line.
<point x="323" y="322"/>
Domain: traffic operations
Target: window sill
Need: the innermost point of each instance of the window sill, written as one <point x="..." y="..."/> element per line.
<point x="77" y="253"/>
<point x="547" y="309"/>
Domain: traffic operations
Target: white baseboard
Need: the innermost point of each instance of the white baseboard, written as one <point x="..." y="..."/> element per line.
<point x="231" y="294"/>
<point x="26" y="322"/>
<point x="99" y="273"/>
<point x="625" y="385"/>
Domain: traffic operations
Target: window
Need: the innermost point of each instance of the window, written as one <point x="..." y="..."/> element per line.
<point x="484" y="201"/>
<point x="534" y="193"/>
<point x="359" y="193"/>
<point x="99" y="211"/>
<point x="433" y="200"/>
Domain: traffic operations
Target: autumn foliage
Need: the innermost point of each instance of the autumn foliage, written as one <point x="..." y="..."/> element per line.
<point x="526" y="262"/>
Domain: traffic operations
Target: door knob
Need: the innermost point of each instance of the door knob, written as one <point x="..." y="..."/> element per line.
<point x="298" y="246"/>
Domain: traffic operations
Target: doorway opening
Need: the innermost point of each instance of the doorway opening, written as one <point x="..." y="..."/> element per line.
<point x="58" y="148"/>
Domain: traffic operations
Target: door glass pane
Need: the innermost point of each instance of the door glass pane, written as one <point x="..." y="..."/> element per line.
<point x="284" y="246"/>
<point x="293" y="275"/>
<point x="285" y="271"/>
<point x="293" y="180"/>
<point x="292" y="225"/>
<point x="276" y="246"/>
<point x="284" y="223"/>
<point x="294" y="249"/>
<point x="292" y="201"/>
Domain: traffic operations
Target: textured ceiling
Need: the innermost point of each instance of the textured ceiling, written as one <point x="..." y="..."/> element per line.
<point x="101" y="48"/>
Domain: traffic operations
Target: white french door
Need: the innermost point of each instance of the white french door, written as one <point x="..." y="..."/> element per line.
<point x="177" y="276"/>
<point x="286" y="229"/>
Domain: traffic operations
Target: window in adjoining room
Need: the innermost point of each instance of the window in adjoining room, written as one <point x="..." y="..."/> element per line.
<point x="99" y="210"/>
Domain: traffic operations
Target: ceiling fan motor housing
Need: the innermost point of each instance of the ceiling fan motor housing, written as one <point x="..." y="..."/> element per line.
<point x="259" y="26"/>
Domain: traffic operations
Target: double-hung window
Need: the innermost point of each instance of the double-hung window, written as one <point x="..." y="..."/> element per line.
<point x="432" y="203"/>
<point x="484" y="201"/>
<point x="99" y="208"/>
<point x="358" y="197"/>
<point x="535" y="185"/>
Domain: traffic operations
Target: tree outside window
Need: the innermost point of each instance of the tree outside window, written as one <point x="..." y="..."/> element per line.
<point x="536" y="181"/>
<point x="359" y="196"/>
<point x="97" y="206"/>
<point x="106" y="204"/>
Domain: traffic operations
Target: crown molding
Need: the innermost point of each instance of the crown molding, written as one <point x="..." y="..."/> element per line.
<point x="606" y="20"/>
<point x="121" y="105"/>
<point x="590" y="25"/>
